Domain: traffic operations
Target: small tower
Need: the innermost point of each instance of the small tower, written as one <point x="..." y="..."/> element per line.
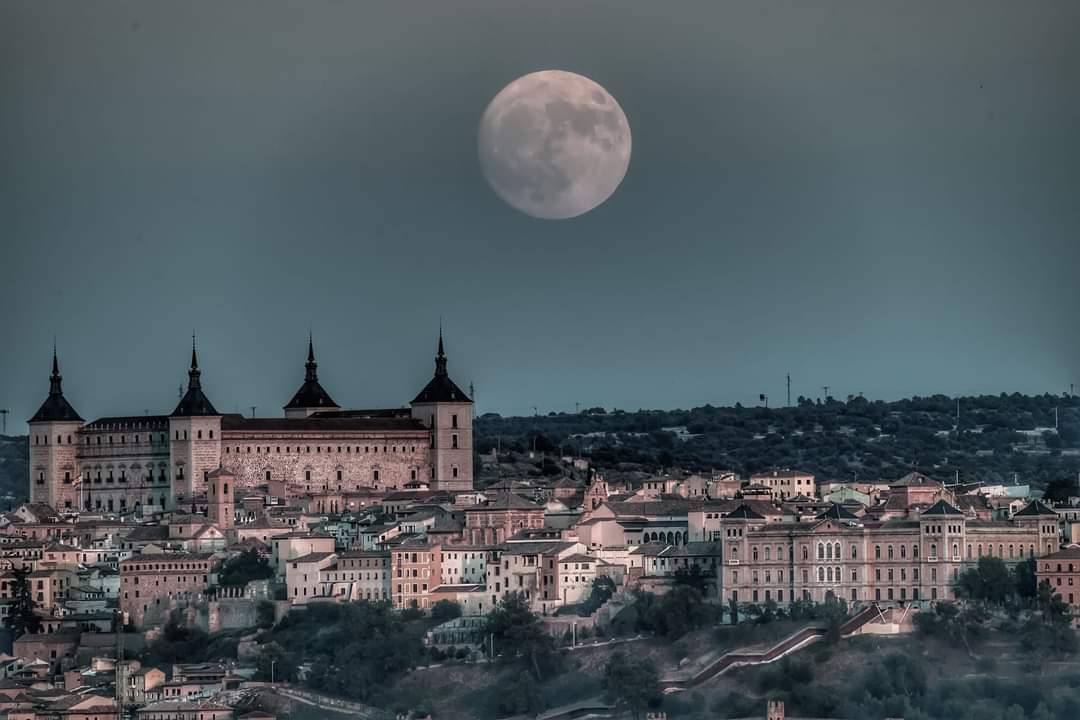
<point x="311" y="397"/>
<point x="220" y="503"/>
<point x="194" y="436"/>
<point x="53" y="442"/>
<point x="1042" y="524"/>
<point x="447" y="412"/>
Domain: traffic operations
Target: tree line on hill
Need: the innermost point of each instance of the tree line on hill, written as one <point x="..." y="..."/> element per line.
<point x="996" y="440"/>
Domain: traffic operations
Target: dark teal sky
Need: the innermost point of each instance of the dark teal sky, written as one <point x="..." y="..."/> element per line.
<point x="881" y="197"/>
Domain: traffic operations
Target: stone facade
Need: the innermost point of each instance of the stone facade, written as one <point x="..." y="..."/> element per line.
<point x="119" y="464"/>
<point x="148" y="584"/>
<point x="896" y="560"/>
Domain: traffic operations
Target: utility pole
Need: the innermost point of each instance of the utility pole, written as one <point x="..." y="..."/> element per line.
<point x="789" y="389"/>
<point x="4" y="412"/>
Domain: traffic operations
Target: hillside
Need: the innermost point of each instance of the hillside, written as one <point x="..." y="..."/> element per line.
<point x="998" y="439"/>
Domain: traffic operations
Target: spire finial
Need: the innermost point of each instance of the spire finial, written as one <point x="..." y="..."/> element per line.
<point x="311" y="366"/>
<point x="55" y="380"/>
<point x="193" y="373"/>
<point x="440" y="356"/>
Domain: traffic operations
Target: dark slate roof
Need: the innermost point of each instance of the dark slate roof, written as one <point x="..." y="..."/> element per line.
<point x="1034" y="509"/>
<point x="441" y="388"/>
<point x="311" y="394"/>
<point x="370" y="413"/>
<point x="194" y="403"/>
<point x="233" y="421"/>
<point x="913" y="478"/>
<point x="505" y="501"/>
<point x="941" y="508"/>
<point x="837" y="512"/>
<point x="56" y="408"/>
<point x="744" y="512"/>
<point x="130" y="422"/>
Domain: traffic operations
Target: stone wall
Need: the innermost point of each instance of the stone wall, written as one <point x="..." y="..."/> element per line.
<point x="314" y="463"/>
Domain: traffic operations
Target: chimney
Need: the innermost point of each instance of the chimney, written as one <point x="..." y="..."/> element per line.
<point x="774" y="710"/>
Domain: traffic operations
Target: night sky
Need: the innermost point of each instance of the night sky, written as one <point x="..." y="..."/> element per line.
<point x="880" y="197"/>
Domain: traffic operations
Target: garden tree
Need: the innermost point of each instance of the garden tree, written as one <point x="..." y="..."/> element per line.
<point x="1024" y="581"/>
<point x="445" y="610"/>
<point x="633" y="684"/>
<point x="962" y="624"/>
<point x="676" y="612"/>
<point x="273" y="663"/>
<point x="244" y="568"/>
<point x="519" y="636"/>
<point x="354" y="648"/>
<point x="1060" y="489"/>
<point x="603" y="588"/>
<point x="834" y="612"/>
<point x="989" y="581"/>
<point x="693" y="577"/>
<point x="264" y="614"/>
<point x="22" y="617"/>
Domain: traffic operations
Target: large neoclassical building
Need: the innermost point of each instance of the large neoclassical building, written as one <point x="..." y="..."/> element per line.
<point x="119" y="463"/>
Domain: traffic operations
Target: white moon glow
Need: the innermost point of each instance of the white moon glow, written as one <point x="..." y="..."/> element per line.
<point x="554" y="144"/>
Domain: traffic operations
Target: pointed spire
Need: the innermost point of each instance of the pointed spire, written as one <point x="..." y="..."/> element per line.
<point x="440" y="356"/>
<point x="311" y="366"/>
<point x="193" y="374"/>
<point x="56" y="379"/>
<point x="194" y="402"/>
<point x="56" y="408"/>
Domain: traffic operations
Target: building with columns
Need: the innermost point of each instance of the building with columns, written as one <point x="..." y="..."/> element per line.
<point x="896" y="560"/>
<point x="119" y="464"/>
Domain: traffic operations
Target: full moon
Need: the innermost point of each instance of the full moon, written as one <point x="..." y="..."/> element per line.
<point x="554" y="144"/>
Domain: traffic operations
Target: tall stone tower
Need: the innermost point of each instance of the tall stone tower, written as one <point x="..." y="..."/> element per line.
<point x="53" y="442"/>
<point x="220" y="502"/>
<point x="310" y="398"/>
<point x="447" y="412"/>
<point x="194" y="435"/>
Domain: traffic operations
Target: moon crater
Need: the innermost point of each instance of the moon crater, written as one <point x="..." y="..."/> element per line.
<point x="554" y="144"/>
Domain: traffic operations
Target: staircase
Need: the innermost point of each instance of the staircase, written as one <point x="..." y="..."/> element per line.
<point x="682" y="680"/>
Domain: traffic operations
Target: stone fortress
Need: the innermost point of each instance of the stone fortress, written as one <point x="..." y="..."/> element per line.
<point x="155" y="462"/>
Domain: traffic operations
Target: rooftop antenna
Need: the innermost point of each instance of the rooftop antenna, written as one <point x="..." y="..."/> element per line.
<point x="4" y="412"/>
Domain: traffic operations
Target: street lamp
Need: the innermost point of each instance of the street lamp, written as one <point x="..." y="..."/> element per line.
<point x="272" y="664"/>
